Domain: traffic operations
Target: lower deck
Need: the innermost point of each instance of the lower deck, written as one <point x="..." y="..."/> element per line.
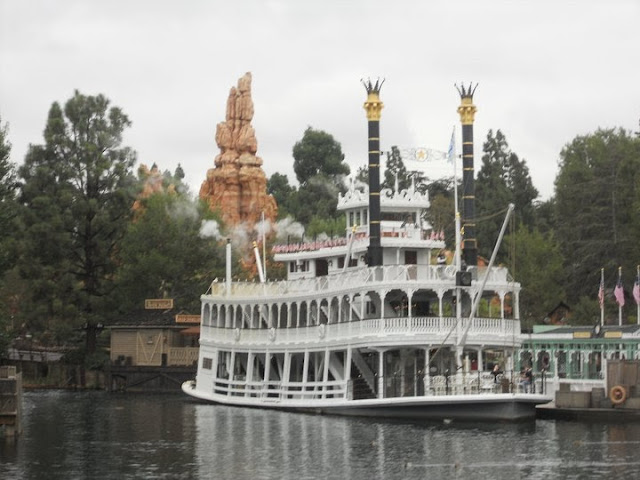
<point x="364" y="376"/>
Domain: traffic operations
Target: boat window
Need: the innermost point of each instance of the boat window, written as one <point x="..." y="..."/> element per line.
<point x="207" y="363"/>
<point x="350" y="219"/>
<point x="365" y="220"/>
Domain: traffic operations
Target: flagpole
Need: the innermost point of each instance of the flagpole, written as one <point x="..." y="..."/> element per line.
<point x="455" y="199"/>
<point x="264" y="247"/>
<point x="601" y="297"/>
<point x="619" y="303"/>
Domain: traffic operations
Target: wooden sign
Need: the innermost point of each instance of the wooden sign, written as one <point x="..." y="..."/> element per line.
<point x="187" y="318"/>
<point x="581" y="334"/>
<point x="158" y="303"/>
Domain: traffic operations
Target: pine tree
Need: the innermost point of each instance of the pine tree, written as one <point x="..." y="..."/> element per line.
<point x="77" y="193"/>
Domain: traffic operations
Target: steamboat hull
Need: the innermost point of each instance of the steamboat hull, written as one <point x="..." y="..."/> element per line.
<point x="499" y="407"/>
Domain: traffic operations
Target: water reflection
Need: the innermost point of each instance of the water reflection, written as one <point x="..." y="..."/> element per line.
<point x="246" y="443"/>
<point x="109" y="436"/>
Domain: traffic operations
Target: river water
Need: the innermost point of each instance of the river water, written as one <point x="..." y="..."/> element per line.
<point x="97" y="435"/>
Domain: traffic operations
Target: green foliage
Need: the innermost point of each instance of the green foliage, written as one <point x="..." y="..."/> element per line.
<point x="316" y="198"/>
<point x="164" y="254"/>
<point x="318" y="153"/>
<point x="77" y="192"/>
<point x="596" y="209"/>
<point x="395" y="170"/>
<point x="9" y="236"/>
<point x="538" y="266"/>
<point x="502" y="179"/>
<point x="331" y="227"/>
<point x="586" y="311"/>
<point x="278" y="186"/>
<point x="362" y="175"/>
<point x="441" y="216"/>
<point x="8" y="206"/>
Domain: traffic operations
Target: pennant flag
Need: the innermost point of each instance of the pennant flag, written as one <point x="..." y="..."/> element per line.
<point x="618" y="292"/>
<point x="421" y="155"/>
<point x="451" y="153"/>
<point x="636" y="290"/>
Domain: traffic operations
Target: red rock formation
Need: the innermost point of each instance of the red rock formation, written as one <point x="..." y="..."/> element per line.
<point x="237" y="186"/>
<point x="153" y="183"/>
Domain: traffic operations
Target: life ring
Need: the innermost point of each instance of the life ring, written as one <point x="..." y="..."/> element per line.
<point x="618" y="395"/>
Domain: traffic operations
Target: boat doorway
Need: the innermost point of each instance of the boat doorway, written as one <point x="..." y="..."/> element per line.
<point x="322" y="268"/>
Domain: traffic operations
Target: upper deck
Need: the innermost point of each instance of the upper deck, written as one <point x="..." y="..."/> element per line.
<point x="430" y="277"/>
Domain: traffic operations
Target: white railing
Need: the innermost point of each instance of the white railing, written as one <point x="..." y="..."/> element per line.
<point x="471" y="383"/>
<point x="276" y="390"/>
<point x="434" y="275"/>
<point x="492" y="330"/>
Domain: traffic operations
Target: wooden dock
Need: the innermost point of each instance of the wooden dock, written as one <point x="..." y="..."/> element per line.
<point x="10" y="402"/>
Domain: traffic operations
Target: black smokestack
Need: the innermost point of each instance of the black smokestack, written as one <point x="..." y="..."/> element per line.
<point x="374" y="106"/>
<point x="467" y="112"/>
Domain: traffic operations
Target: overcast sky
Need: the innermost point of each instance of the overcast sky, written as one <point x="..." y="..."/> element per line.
<point x="547" y="72"/>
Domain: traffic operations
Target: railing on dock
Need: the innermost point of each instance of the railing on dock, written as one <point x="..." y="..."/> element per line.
<point x="183" y="356"/>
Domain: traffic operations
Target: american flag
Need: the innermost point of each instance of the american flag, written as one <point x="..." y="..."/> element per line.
<point x="601" y="292"/>
<point x="618" y="292"/>
<point x="636" y="290"/>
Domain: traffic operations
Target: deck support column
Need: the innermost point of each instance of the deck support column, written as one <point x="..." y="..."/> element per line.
<point x="427" y="372"/>
<point x="381" y="374"/>
<point x="480" y="363"/>
<point x="249" y="377"/>
<point x="305" y="374"/>
<point x="267" y="374"/>
<point x="325" y="373"/>
<point x="347" y="375"/>
<point x="232" y="367"/>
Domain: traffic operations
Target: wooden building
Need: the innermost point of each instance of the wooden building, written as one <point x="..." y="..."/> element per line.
<point x="151" y="351"/>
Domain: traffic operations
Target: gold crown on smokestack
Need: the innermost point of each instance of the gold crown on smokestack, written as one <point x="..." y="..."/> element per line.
<point x="467" y="109"/>
<point x="373" y="105"/>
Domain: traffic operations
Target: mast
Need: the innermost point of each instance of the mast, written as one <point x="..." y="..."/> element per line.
<point x="467" y="111"/>
<point x="374" y="106"/>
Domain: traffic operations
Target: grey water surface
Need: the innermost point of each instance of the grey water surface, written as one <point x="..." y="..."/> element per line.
<point x="97" y="435"/>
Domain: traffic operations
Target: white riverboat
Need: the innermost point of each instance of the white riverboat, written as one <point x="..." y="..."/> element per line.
<point x="372" y="324"/>
<point x="340" y="337"/>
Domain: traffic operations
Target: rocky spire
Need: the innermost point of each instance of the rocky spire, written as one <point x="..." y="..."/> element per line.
<point x="237" y="186"/>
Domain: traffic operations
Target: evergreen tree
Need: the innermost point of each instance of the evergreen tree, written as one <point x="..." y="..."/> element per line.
<point x="166" y="253"/>
<point x="77" y="196"/>
<point x="502" y="179"/>
<point x="8" y="207"/>
<point x="597" y="199"/>
<point x="318" y="153"/>
<point x="278" y="186"/>
<point x="8" y="234"/>
<point x="537" y="264"/>
<point x="320" y="169"/>
<point x="395" y="169"/>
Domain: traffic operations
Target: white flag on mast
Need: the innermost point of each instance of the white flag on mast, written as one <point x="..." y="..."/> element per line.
<point x="451" y="153"/>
